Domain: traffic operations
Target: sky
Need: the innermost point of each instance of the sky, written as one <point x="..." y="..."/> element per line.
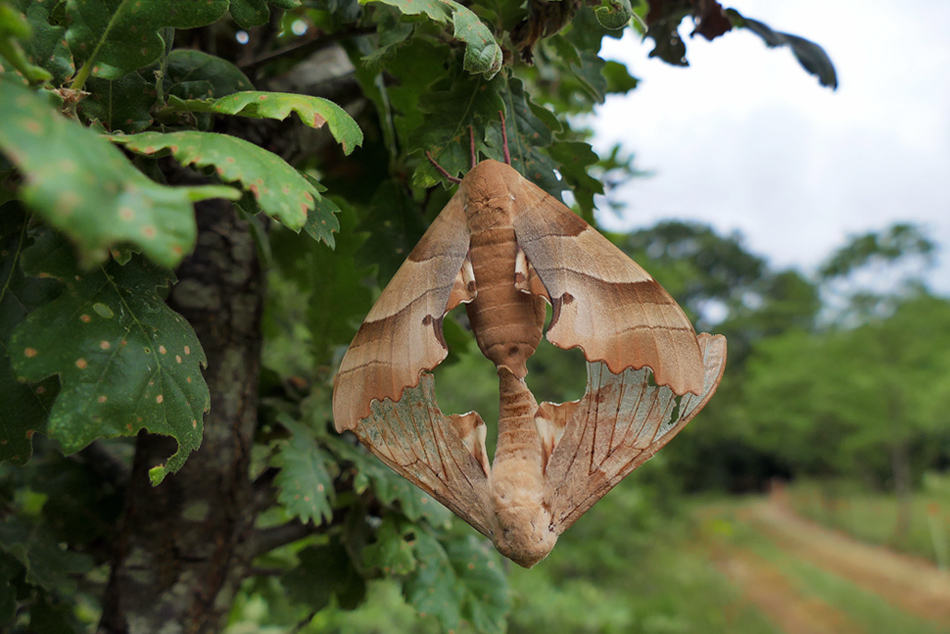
<point x="744" y="139"/>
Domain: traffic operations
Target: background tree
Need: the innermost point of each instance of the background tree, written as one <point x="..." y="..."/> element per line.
<point x="134" y="145"/>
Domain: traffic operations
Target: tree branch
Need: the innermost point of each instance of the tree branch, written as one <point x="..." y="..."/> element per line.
<point x="304" y="48"/>
<point x="267" y="539"/>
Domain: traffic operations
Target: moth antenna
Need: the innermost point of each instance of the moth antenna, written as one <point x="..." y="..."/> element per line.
<point x="471" y="136"/>
<point x="442" y="171"/>
<point x="504" y="138"/>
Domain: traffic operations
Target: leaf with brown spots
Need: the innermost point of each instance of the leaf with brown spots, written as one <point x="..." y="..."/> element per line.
<point x="313" y="111"/>
<point x="280" y="190"/>
<point x="82" y="185"/>
<point x="124" y="359"/>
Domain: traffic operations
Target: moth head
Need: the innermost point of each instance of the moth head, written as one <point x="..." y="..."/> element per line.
<point x="525" y="537"/>
<point x="491" y="182"/>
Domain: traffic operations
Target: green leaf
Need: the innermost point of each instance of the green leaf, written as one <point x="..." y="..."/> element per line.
<point x="486" y="598"/>
<point x="393" y="33"/>
<point x="322" y="220"/>
<point x="391" y="489"/>
<point x="114" y="37"/>
<point x="325" y="571"/>
<point x="665" y="33"/>
<point x="392" y="552"/>
<point x="9" y="571"/>
<point x="281" y="191"/>
<point x="79" y="183"/>
<point x="248" y="13"/>
<point x="812" y="57"/>
<point x="452" y="106"/>
<point x="462" y="579"/>
<point x="334" y="276"/>
<point x="24" y="408"/>
<point x="46" y="47"/>
<point x="432" y="587"/>
<point x="123" y="104"/>
<point x="304" y="485"/>
<point x="619" y="79"/>
<point x="574" y="158"/>
<point x="530" y="130"/>
<point x="187" y="65"/>
<point x="614" y="14"/>
<point x="483" y="55"/>
<point x="47" y="564"/>
<point x="394" y="224"/>
<point x="313" y="111"/>
<point x="126" y="361"/>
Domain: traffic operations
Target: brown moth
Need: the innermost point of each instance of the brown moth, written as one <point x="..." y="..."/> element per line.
<point x="503" y="246"/>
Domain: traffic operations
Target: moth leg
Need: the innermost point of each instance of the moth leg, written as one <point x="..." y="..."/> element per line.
<point x="551" y="419"/>
<point x="464" y="289"/>
<point x="526" y="278"/>
<point x="471" y="429"/>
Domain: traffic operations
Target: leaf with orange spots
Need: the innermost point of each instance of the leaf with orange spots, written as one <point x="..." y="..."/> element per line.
<point x="24" y="407"/>
<point x="125" y="360"/>
<point x="82" y="185"/>
<point x="479" y="569"/>
<point x="280" y="190"/>
<point x="392" y="553"/>
<point x="313" y="111"/>
<point x="459" y="579"/>
<point x="118" y="36"/>
<point x="304" y="484"/>
<point x="46" y="47"/>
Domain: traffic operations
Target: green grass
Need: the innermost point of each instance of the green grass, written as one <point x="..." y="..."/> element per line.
<point x="866" y="609"/>
<point x="872" y="517"/>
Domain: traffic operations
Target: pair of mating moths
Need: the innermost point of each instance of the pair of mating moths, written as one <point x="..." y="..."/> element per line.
<point x="502" y="246"/>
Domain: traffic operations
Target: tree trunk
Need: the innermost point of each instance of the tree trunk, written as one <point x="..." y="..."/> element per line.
<point x="181" y="548"/>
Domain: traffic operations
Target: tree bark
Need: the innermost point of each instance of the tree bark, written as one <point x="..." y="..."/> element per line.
<point x="182" y="547"/>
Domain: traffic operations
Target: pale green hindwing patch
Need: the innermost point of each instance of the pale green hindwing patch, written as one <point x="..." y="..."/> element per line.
<point x="403" y="429"/>
<point x="639" y="412"/>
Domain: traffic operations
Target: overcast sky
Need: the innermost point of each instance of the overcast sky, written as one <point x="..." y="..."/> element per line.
<point x="744" y="139"/>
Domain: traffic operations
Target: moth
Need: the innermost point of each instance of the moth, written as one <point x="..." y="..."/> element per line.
<point x="503" y="247"/>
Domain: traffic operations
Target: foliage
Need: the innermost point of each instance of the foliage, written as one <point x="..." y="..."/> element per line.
<point x="879" y="386"/>
<point x="116" y="120"/>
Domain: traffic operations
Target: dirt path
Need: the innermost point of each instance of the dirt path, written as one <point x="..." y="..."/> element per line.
<point x="913" y="585"/>
<point x="764" y="586"/>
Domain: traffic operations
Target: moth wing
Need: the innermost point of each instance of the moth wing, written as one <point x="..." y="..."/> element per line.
<point x="402" y="334"/>
<point x="620" y="422"/>
<point x="443" y="455"/>
<point x="603" y="301"/>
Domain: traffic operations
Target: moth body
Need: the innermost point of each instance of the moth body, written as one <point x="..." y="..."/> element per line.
<point x="506" y="322"/>
<point x="524" y="530"/>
